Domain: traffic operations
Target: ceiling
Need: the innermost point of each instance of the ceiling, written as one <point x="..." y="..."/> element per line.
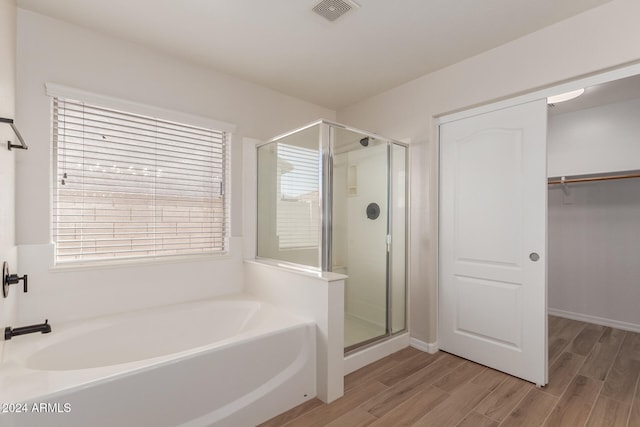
<point x="284" y="45"/>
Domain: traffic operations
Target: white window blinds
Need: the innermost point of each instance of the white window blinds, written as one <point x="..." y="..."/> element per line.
<point x="298" y="222"/>
<point x="133" y="186"/>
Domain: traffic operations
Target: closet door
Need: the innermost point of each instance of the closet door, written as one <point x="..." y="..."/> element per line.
<point x="492" y="276"/>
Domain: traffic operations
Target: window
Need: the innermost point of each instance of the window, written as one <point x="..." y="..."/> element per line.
<point x="128" y="185"/>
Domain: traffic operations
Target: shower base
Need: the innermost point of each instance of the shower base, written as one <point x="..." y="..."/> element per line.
<point x="357" y="330"/>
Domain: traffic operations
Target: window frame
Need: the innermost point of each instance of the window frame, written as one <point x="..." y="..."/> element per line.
<point x="107" y="102"/>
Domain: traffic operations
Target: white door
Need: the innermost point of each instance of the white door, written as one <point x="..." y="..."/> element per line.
<point x="493" y="207"/>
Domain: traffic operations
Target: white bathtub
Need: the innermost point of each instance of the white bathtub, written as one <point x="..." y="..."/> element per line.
<point x="231" y="361"/>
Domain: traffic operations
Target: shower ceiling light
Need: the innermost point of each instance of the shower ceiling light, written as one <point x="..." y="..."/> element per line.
<point x="564" y="96"/>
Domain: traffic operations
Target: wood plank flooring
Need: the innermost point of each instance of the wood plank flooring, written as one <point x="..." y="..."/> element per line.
<point x="594" y="374"/>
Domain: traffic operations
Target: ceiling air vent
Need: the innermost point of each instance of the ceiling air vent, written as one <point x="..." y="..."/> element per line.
<point x="334" y="9"/>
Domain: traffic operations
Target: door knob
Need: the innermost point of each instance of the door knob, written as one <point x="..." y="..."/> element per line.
<point x="533" y="256"/>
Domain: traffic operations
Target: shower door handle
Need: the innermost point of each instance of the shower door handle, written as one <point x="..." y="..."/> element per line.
<point x="388" y="243"/>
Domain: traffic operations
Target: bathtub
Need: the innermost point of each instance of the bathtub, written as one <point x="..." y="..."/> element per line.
<point x="231" y="361"/>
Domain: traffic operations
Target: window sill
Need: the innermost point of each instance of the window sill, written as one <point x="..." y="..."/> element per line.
<point x="138" y="262"/>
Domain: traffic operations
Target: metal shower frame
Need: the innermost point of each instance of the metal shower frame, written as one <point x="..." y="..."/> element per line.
<point x="325" y="203"/>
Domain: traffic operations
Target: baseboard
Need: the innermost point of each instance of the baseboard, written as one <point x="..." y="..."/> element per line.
<point x="633" y="327"/>
<point x="429" y="347"/>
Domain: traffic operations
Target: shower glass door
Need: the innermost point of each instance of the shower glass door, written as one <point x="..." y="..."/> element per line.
<point x="360" y="229"/>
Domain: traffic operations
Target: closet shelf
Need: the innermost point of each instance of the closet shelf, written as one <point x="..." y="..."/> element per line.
<point x="590" y="178"/>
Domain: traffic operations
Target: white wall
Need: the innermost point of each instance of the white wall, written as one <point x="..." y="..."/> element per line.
<point x="602" y="139"/>
<point x="7" y="158"/>
<point x="49" y="50"/>
<point x="563" y="51"/>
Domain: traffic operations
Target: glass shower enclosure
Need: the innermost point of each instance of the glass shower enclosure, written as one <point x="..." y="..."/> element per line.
<point x="333" y="198"/>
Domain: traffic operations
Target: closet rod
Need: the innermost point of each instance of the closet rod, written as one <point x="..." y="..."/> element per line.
<point x="594" y="178"/>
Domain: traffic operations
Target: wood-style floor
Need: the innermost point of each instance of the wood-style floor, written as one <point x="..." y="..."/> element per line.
<point x="593" y="381"/>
